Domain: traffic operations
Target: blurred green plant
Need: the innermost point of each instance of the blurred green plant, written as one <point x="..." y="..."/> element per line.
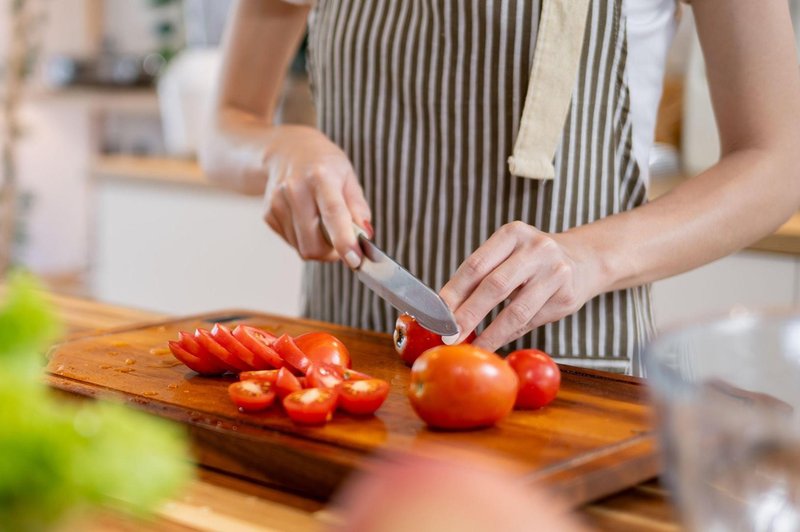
<point x="60" y="458"/>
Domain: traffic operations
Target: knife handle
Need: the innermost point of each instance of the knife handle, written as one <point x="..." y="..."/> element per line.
<point x="360" y="233"/>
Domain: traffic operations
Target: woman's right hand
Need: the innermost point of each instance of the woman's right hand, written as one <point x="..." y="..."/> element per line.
<point x="311" y="182"/>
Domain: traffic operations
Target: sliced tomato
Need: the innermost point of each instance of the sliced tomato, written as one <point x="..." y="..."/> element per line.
<point x="291" y="354"/>
<point x="260" y="343"/>
<point x="328" y="376"/>
<point x="286" y="383"/>
<point x="322" y="347"/>
<point x="201" y="366"/>
<point x="251" y="395"/>
<point x="223" y="337"/>
<point x="363" y="397"/>
<point x="261" y="375"/>
<point x="219" y="353"/>
<point x="190" y="344"/>
<point x="303" y="382"/>
<point x="353" y="375"/>
<point x="312" y="406"/>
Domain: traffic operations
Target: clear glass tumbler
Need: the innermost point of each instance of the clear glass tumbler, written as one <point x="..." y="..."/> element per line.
<point x="727" y="397"/>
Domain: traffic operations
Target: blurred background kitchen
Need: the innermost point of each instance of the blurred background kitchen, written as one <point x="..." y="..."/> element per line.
<point x="103" y="105"/>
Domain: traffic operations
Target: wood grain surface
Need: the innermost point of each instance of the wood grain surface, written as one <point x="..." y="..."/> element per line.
<point x="594" y="440"/>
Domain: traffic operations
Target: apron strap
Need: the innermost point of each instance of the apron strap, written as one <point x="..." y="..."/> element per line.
<point x="559" y="44"/>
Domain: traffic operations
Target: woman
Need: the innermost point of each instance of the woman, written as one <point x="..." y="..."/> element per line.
<point x="419" y="105"/>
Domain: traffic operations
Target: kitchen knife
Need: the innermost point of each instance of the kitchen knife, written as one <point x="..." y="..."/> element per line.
<point x="400" y="288"/>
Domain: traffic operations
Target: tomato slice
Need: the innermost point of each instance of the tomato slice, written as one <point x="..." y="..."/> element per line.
<point x="363" y="397"/>
<point x="291" y="354"/>
<point x="223" y="337"/>
<point x="353" y="375"/>
<point x="312" y="406"/>
<point x="190" y="345"/>
<point x="328" y="376"/>
<point x="322" y="347"/>
<point x="251" y="396"/>
<point x="262" y="375"/>
<point x="203" y="367"/>
<point x="217" y="352"/>
<point x="286" y="383"/>
<point x="260" y="344"/>
<point x="303" y="382"/>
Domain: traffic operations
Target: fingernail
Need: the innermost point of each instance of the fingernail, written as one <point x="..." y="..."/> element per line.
<point x="452" y="339"/>
<point x="352" y="259"/>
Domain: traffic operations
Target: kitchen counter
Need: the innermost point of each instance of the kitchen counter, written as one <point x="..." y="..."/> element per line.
<point x="214" y="501"/>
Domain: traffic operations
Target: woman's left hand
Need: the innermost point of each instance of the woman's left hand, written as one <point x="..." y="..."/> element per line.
<point x="546" y="277"/>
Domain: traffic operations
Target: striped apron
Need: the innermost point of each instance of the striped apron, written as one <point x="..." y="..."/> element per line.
<point x="425" y="97"/>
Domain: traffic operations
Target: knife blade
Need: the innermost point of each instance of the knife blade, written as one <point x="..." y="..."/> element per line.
<point x="396" y="285"/>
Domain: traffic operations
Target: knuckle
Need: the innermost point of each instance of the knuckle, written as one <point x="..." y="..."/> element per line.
<point x="519" y="313"/>
<point x="474" y="265"/>
<point x="499" y="284"/>
<point x="470" y="317"/>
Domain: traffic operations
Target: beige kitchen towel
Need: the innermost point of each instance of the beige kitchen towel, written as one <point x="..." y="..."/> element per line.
<point x="555" y="66"/>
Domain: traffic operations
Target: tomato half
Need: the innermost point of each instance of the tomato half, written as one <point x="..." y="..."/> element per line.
<point x="291" y="354"/>
<point x="323" y="375"/>
<point x="251" y="396"/>
<point x="539" y="378"/>
<point x="223" y="336"/>
<point x="260" y="343"/>
<point x="363" y="397"/>
<point x="286" y="383"/>
<point x="461" y="387"/>
<point x="412" y="339"/>
<point x="311" y="406"/>
<point x="262" y="375"/>
<point x="218" y="353"/>
<point x="321" y="347"/>
<point x="203" y="367"/>
<point x="353" y="375"/>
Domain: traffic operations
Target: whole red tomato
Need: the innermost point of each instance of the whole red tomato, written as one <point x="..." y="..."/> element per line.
<point x="322" y="347"/>
<point x="412" y="339"/>
<point x="539" y="377"/>
<point x="461" y="387"/>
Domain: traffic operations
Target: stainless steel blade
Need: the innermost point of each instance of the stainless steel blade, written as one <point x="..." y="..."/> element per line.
<point x="403" y="291"/>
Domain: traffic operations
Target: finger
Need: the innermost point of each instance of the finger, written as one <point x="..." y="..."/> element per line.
<point x="518" y="317"/>
<point x="477" y="266"/>
<point x="493" y="290"/>
<point x="357" y="204"/>
<point x="338" y="222"/>
<point x="279" y="219"/>
<point x="305" y="219"/>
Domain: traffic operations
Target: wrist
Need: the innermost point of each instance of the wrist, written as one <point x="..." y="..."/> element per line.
<point x="599" y="261"/>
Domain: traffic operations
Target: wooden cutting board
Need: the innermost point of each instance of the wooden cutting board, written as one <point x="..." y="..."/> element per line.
<point x="596" y="438"/>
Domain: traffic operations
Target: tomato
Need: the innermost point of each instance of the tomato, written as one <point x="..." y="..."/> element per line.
<point x="353" y="375"/>
<point x="322" y="347"/>
<point x="363" y="397"/>
<point x="218" y="353"/>
<point x="461" y="387"/>
<point x="260" y="343"/>
<point x="311" y="406"/>
<point x="262" y="375"/>
<point x="201" y="366"/>
<point x="286" y="383"/>
<point x="190" y="344"/>
<point x="323" y="375"/>
<point x="412" y="339"/>
<point x="223" y="337"/>
<point x="251" y="395"/>
<point x="539" y="377"/>
<point x="291" y="354"/>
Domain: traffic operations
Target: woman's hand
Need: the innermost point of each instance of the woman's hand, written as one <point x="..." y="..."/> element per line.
<point x="546" y="277"/>
<point x="311" y="181"/>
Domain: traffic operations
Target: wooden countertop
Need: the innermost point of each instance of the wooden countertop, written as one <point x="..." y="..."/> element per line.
<point x="218" y="502"/>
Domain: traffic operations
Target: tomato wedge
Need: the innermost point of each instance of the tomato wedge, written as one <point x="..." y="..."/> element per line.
<point x="363" y="397"/>
<point x="203" y="367"/>
<point x="251" y="396"/>
<point x="322" y="347"/>
<point x="260" y="344"/>
<point x="291" y="354"/>
<point x="217" y="352"/>
<point x="286" y="383"/>
<point x="353" y="375"/>
<point x="223" y="337"/>
<point x="328" y="376"/>
<point x="262" y="375"/>
<point x="312" y="406"/>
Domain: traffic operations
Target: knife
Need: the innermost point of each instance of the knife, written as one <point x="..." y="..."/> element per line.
<point x="393" y="283"/>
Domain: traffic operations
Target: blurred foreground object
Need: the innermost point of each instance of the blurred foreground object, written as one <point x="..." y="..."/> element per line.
<point x="57" y="458"/>
<point x="727" y="394"/>
<point x="430" y="493"/>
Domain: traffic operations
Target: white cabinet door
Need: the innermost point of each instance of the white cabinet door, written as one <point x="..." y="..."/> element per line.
<point x="185" y="249"/>
<point x="749" y="279"/>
